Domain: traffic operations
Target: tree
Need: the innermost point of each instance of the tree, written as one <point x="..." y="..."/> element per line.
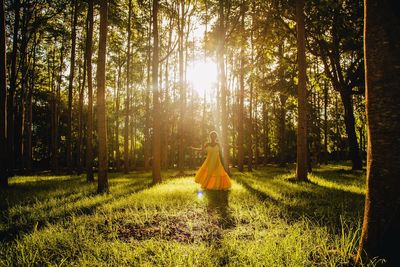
<point x="101" y="101"/>
<point x="301" y="165"/>
<point x="222" y="81"/>
<point x="12" y="89"/>
<point x="335" y="35"/>
<point x="156" y="163"/>
<point x="3" y="98"/>
<point x="128" y="93"/>
<point x="381" y="232"/>
<point x="240" y="138"/>
<point x="70" y="86"/>
<point x="89" y="133"/>
<point x="182" y="89"/>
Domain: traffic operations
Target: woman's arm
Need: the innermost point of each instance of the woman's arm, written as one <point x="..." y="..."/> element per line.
<point x="199" y="148"/>
<point x="196" y="148"/>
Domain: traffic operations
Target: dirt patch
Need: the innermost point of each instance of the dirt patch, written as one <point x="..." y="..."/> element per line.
<point x="188" y="226"/>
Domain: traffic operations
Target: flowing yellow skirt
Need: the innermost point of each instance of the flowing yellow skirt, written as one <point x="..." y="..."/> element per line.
<point x="213" y="176"/>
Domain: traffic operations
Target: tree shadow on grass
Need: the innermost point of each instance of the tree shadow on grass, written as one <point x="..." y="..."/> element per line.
<point x="37" y="213"/>
<point x="325" y="206"/>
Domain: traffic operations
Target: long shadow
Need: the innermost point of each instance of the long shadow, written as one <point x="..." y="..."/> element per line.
<point x="262" y="196"/>
<point x="322" y="205"/>
<point x="14" y="230"/>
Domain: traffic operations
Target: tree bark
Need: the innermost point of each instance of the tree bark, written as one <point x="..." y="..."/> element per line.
<point x="240" y="138"/>
<point x="381" y="232"/>
<point x="118" y="154"/>
<point x="301" y="164"/>
<point x="30" y="96"/>
<point x="147" y="105"/>
<point x="70" y="88"/>
<point x="266" y="133"/>
<point x="156" y="166"/>
<point x="128" y="93"/>
<point x="182" y="91"/>
<point x="101" y="100"/>
<point x="3" y="100"/>
<point x="80" y="114"/>
<point x="281" y="130"/>
<point x="11" y="94"/>
<point x="222" y="80"/>
<point x="349" y="122"/>
<point x="89" y="131"/>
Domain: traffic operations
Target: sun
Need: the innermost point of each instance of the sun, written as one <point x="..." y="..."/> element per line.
<point x="202" y="76"/>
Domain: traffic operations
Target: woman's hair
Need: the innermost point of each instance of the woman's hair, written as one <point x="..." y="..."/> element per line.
<point x="214" y="133"/>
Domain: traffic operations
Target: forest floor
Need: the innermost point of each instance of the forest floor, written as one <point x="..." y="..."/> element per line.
<point x="267" y="219"/>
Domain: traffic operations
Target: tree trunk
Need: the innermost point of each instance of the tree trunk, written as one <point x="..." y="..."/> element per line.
<point x="128" y="93"/>
<point x="381" y="232"/>
<point x="55" y="115"/>
<point x="266" y="133"/>
<point x="182" y="92"/>
<point x="89" y="126"/>
<point x="80" y="114"/>
<point x="281" y="130"/>
<point x="3" y="99"/>
<point x="301" y="165"/>
<point x="147" y="105"/>
<point x="240" y="138"/>
<point x="325" y="124"/>
<point x="156" y="166"/>
<point x="30" y="96"/>
<point x="11" y="94"/>
<point x="118" y="155"/>
<point x="70" y="88"/>
<point x="101" y="100"/>
<point x="349" y="121"/>
<point x="222" y="80"/>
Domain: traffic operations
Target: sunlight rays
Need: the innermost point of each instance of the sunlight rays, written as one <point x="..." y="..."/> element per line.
<point x="202" y="77"/>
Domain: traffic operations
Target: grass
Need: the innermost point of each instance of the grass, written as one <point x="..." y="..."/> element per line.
<point x="266" y="220"/>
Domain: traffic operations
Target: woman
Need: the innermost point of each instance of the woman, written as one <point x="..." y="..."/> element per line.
<point x="212" y="174"/>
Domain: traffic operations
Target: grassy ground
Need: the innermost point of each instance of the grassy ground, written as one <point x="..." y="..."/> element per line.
<point x="267" y="219"/>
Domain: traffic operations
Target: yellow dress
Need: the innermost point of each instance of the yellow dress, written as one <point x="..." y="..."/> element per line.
<point x="212" y="174"/>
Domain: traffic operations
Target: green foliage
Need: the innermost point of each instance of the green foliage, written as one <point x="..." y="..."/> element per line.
<point x="271" y="221"/>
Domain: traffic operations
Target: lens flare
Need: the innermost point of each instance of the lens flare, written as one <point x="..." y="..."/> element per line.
<point x="200" y="194"/>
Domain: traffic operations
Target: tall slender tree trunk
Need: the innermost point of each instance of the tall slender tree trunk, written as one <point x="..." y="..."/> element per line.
<point x="11" y="94"/>
<point x="55" y="115"/>
<point x="349" y="122"/>
<point x="80" y="114"/>
<point x="166" y="124"/>
<point x="147" y="105"/>
<point x="70" y="87"/>
<point x="182" y="91"/>
<point x="251" y="100"/>
<point x="156" y="100"/>
<point x="381" y="232"/>
<point x="128" y="93"/>
<point x="101" y="100"/>
<point x="325" y="123"/>
<point x="89" y="126"/>
<point x="240" y="138"/>
<point x="30" y="96"/>
<point x="118" y="154"/>
<point x="282" y="130"/>
<point x="3" y="100"/>
<point x="222" y="80"/>
<point x="266" y="133"/>
<point x="301" y="164"/>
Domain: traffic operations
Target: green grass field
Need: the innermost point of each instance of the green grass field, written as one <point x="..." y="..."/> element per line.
<point x="267" y="219"/>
